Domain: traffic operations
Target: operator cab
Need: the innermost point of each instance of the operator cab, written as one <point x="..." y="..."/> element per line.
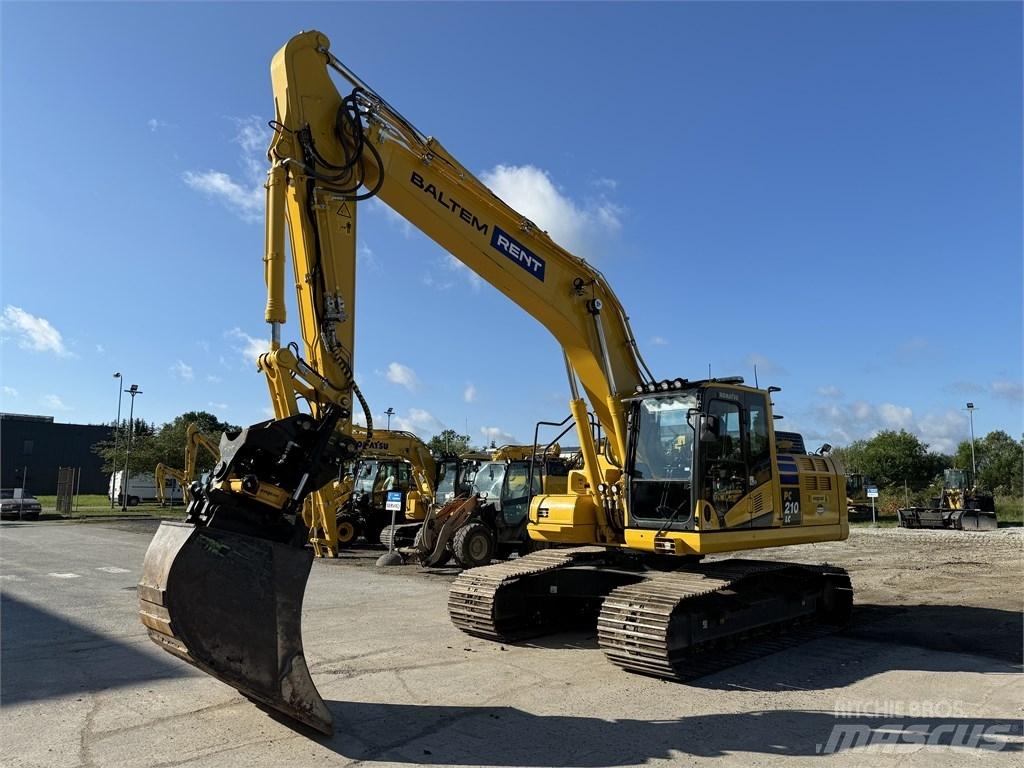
<point x="375" y="477"/>
<point x="709" y="441"/>
<point x="510" y="485"/>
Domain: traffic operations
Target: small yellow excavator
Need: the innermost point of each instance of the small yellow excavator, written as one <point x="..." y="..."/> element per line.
<point x="676" y="469"/>
<point x="393" y="461"/>
<point x="194" y="440"/>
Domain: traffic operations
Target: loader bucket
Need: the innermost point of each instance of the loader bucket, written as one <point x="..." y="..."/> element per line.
<point x="978" y="520"/>
<point x="231" y="605"/>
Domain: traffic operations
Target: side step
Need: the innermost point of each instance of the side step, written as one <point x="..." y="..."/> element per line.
<point x="686" y="624"/>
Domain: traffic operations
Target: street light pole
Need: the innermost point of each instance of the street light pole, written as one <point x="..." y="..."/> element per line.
<point x="133" y="390"/>
<point x="117" y="428"/>
<point x="974" y="464"/>
<point x="389" y="413"/>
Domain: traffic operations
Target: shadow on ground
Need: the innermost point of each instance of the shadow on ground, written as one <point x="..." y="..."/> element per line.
<point x="983" y="639"/>
<point x="46" y="655"/>
<point x="505" y="736"/>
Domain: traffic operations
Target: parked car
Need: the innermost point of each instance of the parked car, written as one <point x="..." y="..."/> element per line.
<point x="19" y="504"/>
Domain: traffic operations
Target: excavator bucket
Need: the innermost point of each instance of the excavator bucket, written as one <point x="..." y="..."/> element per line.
<point x="231" y="605"/>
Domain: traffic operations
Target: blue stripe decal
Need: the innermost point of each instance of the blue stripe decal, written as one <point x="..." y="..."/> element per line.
<point x="789" y="479"/>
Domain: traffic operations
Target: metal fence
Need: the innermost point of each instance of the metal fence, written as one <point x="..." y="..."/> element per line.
<point x="68" y="481"/>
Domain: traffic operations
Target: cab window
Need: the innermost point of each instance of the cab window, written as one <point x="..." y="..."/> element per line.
<point x="725" y="470"/>
<point x="758" y="449"/>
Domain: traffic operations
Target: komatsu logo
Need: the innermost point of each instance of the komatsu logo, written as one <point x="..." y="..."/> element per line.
<point x="517" y="252"/>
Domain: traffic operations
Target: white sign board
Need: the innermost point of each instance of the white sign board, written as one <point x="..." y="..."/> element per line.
<point x="872" y="492"/>
<point x="394" y="502"/>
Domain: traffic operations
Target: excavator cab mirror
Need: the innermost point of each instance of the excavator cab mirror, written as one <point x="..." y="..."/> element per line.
<point x="708" y="428"/>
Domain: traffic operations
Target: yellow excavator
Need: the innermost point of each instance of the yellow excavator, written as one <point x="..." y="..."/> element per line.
<point x="194" y="440"/>
<point x="394" y="461"/>
<point x="675" y="468"/>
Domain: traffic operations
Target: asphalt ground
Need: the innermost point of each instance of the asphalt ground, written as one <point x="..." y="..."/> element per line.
<point x="928" y="673"/>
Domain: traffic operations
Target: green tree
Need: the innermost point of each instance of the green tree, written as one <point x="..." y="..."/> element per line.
<point x="890" y="458"/>
<point x="449" y="441"/>
<point x="151" y="446"/>
<point x="169" y="440"/>
<point x="1000" y="461"/>
<point x="141" y="435"/>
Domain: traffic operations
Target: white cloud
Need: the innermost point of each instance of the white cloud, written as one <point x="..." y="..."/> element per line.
<point x="449" y="264"/>
<point x="217" y="406"/>
<point x="367" y="259"/>
<point x="1009" y="390"/>
<point x="830" y="391"/>
<point x="530" y="191"/>
<point x="100" y="349"/>
<point x="247" y="201"/>
<point x="420" y="422"/>
<point x="765" y="365"/>
<point x="402" y="375"/>
<point x="895" y="416"/>
<point x="605" y="183"/>
<point x="842" y="423"/>
<point x="10" y="391"/>
<point x="498" y="436"/>
<point x="659" y="341"/>
<point x="214" y="379"/>
<point x="155" y="124"/>
<point x="245" y="196"/>
<point x="182" y="370"/>
<point x="32" y="332"/>
<point x="469" y="393"/>
<point x="54" y="402"/>
<point x="393" y="218"/>
<point x="249" y="347"/>
<point x="432" y="280"/>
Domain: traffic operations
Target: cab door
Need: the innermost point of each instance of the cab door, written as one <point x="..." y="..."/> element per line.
<point x="723" y="470"/>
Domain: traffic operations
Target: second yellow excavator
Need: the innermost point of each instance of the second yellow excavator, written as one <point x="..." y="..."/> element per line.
<point x="673" y="468"/>
<point x="194" y="440"/>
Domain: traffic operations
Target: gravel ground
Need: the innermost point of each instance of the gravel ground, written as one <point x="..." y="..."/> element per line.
<point x="935" y="644"/>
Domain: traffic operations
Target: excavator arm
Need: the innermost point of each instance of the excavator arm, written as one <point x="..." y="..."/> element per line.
<point x="348" y="148"/>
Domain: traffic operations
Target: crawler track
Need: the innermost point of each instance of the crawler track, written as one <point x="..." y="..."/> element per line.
<point x="677" y="625"/>
<point x="491" y="601"/>
<point x="686" y="624"/>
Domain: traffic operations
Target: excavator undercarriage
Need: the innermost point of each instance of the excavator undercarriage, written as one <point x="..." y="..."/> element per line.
<point x="678" y="624"/>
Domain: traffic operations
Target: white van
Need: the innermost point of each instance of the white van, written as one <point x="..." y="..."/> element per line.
<point x="142" y="487"/>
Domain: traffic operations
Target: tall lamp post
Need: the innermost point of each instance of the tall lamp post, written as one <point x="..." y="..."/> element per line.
<point x="389" y="413"/>
<point x="133" y="390"/>
<point x="117" y="428"/>
<point x="974" y="464"/>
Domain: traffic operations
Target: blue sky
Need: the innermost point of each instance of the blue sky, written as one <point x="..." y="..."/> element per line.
<point x="830" y="191"/>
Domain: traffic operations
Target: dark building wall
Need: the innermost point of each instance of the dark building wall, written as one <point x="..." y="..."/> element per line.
<point x="38" y="446"/>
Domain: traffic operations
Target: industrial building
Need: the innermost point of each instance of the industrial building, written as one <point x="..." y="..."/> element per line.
<point x="33" y="448"/>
